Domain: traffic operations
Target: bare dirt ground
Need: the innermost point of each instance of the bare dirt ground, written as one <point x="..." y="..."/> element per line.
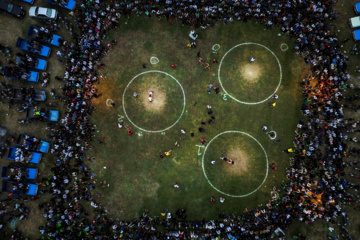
<point x="251" y="72"/>
<point x="159" y="100"/>
<point x="241" y="161"/>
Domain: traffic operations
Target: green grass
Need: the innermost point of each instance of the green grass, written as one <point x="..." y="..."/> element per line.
<point x="139" y="179"/>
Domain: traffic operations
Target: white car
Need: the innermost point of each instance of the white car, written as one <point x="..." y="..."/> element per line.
<point x="354" y="22"/>
<point x="43" y="13"/>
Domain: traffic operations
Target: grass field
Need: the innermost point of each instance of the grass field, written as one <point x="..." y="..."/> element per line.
<point x="138" y="178"/>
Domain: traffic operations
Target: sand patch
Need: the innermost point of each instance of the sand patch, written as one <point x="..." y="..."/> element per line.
<point x="241" y="162"/>
<point x="159" y="100"/>
<point x="251" y="72"/>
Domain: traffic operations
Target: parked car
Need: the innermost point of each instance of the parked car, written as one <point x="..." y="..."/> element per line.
<point x="35" y="113"/>
<point x="357" y="8"/>
<point x="28" y="1"/>
<point x="37" y="64"/>
<point x="43" y="13"/>
<point x="28" y="173"/>
<point x="20" y="74"/>
<point x="35" y="33"/>
<point x="31" y="143"/>
<point x="354" y="22"/>
<point x="69" y="5"/>
<point x="12" y="9"/>
<point x="33" y="47"/>
<point x="13" y="187"/>
<point x="25" y="94"/>
<point x="16" y="152"/>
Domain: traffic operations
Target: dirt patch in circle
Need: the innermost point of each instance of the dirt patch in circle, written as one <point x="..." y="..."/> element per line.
<point x="159" y="100"/>
<point x="241" y="162"/>
<point x="251" y="72"/>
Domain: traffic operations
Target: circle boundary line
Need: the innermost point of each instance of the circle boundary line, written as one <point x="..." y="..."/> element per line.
<point x="272" y="138"/>
<point x="237" y="100"/>
<point x="213" y="47"/>
<point x="154" y="58"/>
<point x="284" y="44"/>
<point x="227" y="194"/>
<point x="155" y="131"/>
<point x="106" y="102"/>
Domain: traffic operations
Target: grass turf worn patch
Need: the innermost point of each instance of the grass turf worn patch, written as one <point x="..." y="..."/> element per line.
<point x="149" y="97"/>
<point x="250" y="72"/>
<point x="235" y="164"/>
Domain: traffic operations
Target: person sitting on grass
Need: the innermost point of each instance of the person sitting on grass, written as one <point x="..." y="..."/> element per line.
<point x="169" y="153"/>
<point x="201" y="61"/>
<point x="207" y="66"/>
<point x="130" y="131"/>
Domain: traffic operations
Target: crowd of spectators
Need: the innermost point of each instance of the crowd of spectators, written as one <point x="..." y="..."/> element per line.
<point x="316" y="186"/>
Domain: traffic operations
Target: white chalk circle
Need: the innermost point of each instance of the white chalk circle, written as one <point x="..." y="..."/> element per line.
<point x="284" y="47"/>
<point x="272" y="133"/>
<point x="227" y="194"/>
<point x="243" y="102"/>
<point x="215" y="47"/>
<point x="161" y="130"/>
<point x="154" y="60"/>
<point x="109" y="102"/>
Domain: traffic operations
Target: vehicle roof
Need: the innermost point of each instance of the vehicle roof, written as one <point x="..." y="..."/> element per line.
<point x="3" y="4"/>
<point x="355" y="21"/>
<point x="42" y="10"/>
<point x="16" y="10"/>
<point x="357" y="5"/>
<point x="357" y="34"/>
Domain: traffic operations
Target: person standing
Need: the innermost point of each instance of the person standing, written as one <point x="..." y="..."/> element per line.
<point x="150" y="96"/>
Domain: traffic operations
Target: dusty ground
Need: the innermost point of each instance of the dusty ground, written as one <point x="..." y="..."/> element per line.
<point x="251" y="72"/>
<point x="159" y="100"/>
<point x="241" y="161"/>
